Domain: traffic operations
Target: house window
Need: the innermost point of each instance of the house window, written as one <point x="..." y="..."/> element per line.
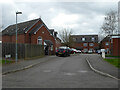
<point x="93" y="39"/>
<point x="91" y="44"/>
<point x="51" y="47"/>
<point x="106" y="43"/>
<point x="85" y="44"/>
<point x="74" y="39"/>
<point x="83" y="39"/>
<point x="39" y="40"/>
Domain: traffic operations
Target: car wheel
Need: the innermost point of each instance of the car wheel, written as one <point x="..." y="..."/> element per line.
<point x="65" y="55"/>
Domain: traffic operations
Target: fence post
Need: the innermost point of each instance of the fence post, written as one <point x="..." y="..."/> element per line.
<point x="25" y="51"/>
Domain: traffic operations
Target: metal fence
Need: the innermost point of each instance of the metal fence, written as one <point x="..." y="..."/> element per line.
<point x="25" y="51"/>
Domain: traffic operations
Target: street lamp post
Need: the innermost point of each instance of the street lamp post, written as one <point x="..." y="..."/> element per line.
<point x="16" y="35"/>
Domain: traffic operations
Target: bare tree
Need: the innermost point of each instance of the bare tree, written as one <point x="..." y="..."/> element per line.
<point x="1" y="27"/>
<point x="110" y="24"/>
<point x="101" y="35"/>
<point x="66" y="38"/>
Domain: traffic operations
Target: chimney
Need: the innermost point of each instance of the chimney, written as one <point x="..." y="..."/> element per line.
<point x="55" y="34"/>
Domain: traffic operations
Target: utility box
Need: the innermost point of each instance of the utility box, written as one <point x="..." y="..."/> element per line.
<point x="103" y="53"/>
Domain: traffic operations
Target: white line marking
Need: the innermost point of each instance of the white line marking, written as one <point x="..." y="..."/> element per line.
<point x="70" y="74"/>
<point x="47" y="71"/>
<point x="82" y="71"/>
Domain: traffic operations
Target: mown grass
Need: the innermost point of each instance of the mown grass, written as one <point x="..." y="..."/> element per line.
<point x="115" y="62"/>
<point x="111" y="56"/>
<point x="6" y="61"/>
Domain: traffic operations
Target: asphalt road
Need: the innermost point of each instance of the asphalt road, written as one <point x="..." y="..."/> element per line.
<point x="62" y="72"/>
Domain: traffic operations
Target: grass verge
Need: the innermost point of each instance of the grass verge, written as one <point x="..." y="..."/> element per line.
<point x="6" y="61"/>
<point x="115" y="62"/>
<point x="111" y="56"/>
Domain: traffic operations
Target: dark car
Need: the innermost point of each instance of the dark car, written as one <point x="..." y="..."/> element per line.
<point x="63" y="51"/>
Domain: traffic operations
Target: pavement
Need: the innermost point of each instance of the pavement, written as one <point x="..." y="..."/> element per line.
<point x="100" y="65"/>
<point x="95" y="60"/>
<point x="23" y="64"/>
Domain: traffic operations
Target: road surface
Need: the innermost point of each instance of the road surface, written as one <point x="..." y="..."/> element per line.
<point x="62" y="72"/>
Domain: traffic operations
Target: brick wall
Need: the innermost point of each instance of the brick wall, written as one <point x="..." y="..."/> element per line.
<point x="104" y="46"/>
<point x="116" y="46"/>
<point x="81" y="46"/>
<point x="43" y="32"/>
<point x="20" y="38"/>
<point x="6" y="38"/>
<point x="27" y="36"/>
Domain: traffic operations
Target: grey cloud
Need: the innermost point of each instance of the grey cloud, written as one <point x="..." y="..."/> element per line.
<point x="88" y="10"/>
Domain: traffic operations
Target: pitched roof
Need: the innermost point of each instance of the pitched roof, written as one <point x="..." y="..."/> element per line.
<point x="107" y="38"/>
<point x="88" y="38"/>
<point x="22" y="27"/>
<point x="36" y="28"/>
<point x="48" y="42"/>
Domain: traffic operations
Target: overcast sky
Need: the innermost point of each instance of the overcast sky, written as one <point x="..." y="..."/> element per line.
<point x="82" y="17"/>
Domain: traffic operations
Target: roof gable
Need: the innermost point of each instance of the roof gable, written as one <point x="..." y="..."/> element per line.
<point x="26" y="27"/>
<point x="22" y="27"/>
<point x="107" y="38"/>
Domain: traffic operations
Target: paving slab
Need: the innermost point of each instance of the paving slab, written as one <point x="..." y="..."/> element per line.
<point x="24" y="63"/>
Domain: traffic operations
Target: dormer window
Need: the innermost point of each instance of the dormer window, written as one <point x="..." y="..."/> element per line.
<point x="83" y="39"/>
<point x="93" y="39"/>
<point x="74" y="39"/>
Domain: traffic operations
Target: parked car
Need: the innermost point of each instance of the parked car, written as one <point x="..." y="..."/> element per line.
<point x="73" y="51"/>
<point x="90" y="51"/>
<point x="85" y="51"/>
<point x="78" y="51"/>
<point x="63" y="51"/>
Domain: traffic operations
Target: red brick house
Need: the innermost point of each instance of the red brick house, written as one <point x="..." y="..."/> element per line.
<point x="86" y="42"/>
<point x="116" y="45"/>
<point x="106" y="44"/>
<point x="111" y="44"/>
<point x="31" y="32"/>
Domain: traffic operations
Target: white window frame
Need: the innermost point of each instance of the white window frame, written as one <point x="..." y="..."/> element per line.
<point x="93" y="39"/>
<point x="85" y="44"/>
<point x="39" y="39"/>
<point x="91" y="44"/>
<point x="83" y="39"/>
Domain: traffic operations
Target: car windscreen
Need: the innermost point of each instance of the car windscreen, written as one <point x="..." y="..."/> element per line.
<point x="61" y="49"/>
